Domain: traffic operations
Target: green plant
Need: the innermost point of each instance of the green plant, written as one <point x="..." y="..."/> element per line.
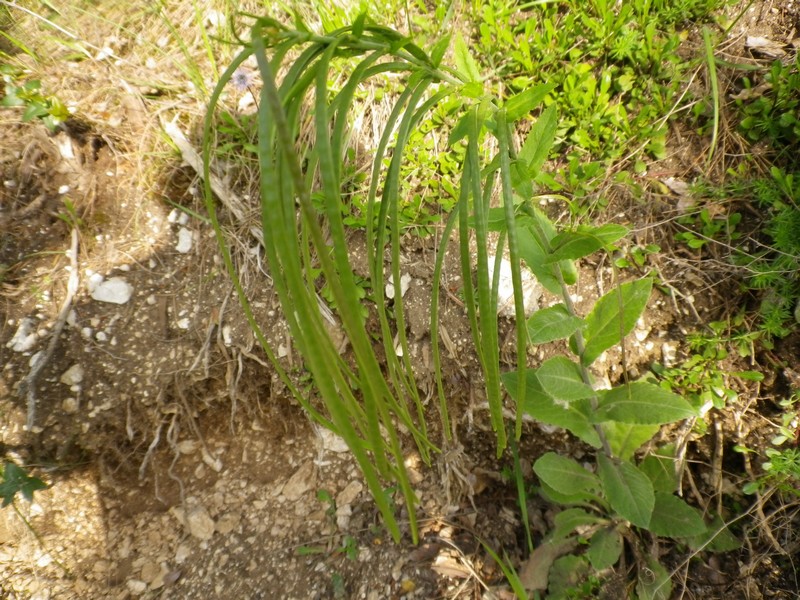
<point x="607" y="504"/>
<point x="616" y="73"/>
<point x="781" y="469"/>
<point x="705" y="227"/>
<point x="774" y="269"/>
<point x="770" y="111"/>
<point x="17" y="481"/>
<point x="28" y="94"/>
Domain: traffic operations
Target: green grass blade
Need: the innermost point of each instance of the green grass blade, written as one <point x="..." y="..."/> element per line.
<point x="513" y="251"/>
<point x="711" y="61"/>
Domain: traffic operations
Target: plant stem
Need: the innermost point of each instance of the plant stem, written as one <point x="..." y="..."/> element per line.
<point x="40" y="541"/>
<point x="579" y="347"/>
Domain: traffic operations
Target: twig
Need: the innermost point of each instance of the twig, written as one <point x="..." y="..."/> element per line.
<point x="27" y="387"/>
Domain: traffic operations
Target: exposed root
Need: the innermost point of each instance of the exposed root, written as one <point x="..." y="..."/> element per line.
<point x="27" y="388"/>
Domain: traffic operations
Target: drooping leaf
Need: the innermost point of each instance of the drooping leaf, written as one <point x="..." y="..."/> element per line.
<point x="523" y="103"/>
<point x="660" y="468"/>
<point x="605" y="548"/>
<point x="560" y="378"/>
<point x="642" y="403"/>
<point x="564" y="474"/>
<point x="573" y="416"/>
<point x="625" y="438"/>
<point x="628" y="490"/>
<point x="654" y="582"/>
<point x="673" y="518"/>
<point x="613" y="317"/>
<point x="572" y="245"/>
<point x="553" y="323"/>
<point x="540" y="139"/>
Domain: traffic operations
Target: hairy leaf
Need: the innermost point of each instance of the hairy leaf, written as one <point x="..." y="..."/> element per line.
<point x="625" y="438"/>
<point x="654" y="582"/>
<point x="660" y="468"/>
<point x="569" y="520"/>
<point x="561" y="379"/>
<point x="572" y="245"/>
<point x="672" y="517"/>
<point x="642" y="403"/>
<point x="564" y="474"/>
<point x="553" y="323"/>
<point x="573" y="416"/>
<point x="614" y="316"/>
<point x="605" y="548"/>
<point x="628" y="490"/>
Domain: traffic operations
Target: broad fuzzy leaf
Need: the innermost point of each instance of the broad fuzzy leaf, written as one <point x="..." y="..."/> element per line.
<point x="642" y="403"/>
<point x="573" y="416"/>
<point x="625" y="438"/>
<point x="534" y="232"/>
<point x="560" y="378"/>
<point x="569" y="520"/>
<point x="605" y="548"/>
<point x="553" y="323"/>
<point x="572" y="245"/>
<point x="716" y="538"/>
<point x="564" y="474"/>
<point x="660" y="468"/>
<point x="628" y="490"/>
<point x="673" y="518"/>
<point x="613" y="317"/>
<point x="654" y="582"/>
<point x="582" y="499"/>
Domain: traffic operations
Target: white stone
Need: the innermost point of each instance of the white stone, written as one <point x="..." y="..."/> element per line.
<point x="114" y="290"/>
<point x="331" y="441"/>
<point x="228" y="522"/>
<point x="94" y="280"/>
<point x="349" y="493"/>
<point x="405" y="282"/>
<point x="25" y="337"/>
<point x="182" y="553"/>
<point x="299" y="483"/>
<point x="73" y="375"/>
<point x="199" y="523"/>
<point x="136" y="586"/>
<point x="531" y="290"/>
<point x="69" y="405"/>
<point x="184" y="240"/>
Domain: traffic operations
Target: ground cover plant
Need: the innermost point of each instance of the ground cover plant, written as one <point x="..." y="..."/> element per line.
<point x="378" y="189"/>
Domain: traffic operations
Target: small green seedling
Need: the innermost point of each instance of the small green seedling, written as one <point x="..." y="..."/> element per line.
<point x="17" y="481"/>
<point x="49" y="109"/>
